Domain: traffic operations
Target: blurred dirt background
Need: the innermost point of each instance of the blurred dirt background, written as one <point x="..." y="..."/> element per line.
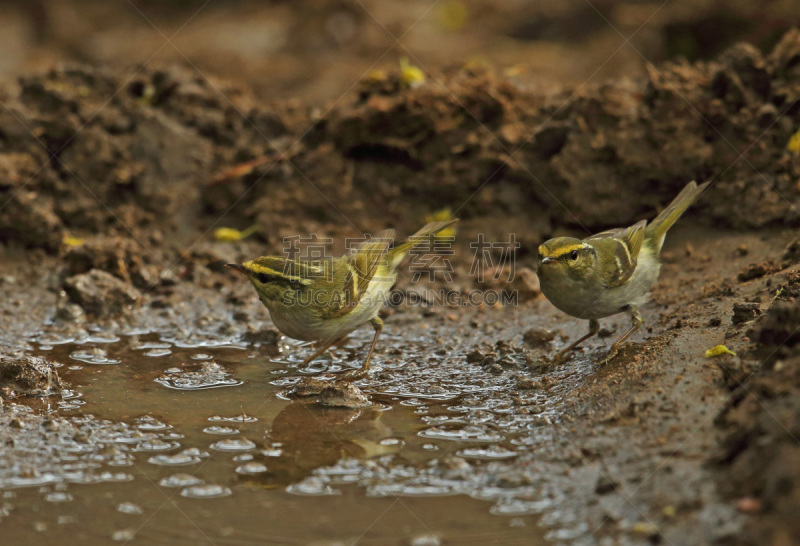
<point x="130" y="131"/>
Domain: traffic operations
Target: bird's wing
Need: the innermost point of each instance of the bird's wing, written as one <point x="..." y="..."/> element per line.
<point x="620" y="252"/>
<point x="352" y="274"/>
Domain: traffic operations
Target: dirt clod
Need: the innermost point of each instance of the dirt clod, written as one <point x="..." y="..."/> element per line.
<point x="101" y="294"/>
<point x="537" y="338"/>
<point x="343" y="394"/>
<point x="745" y="312"/>
<point x="28" y="376"/>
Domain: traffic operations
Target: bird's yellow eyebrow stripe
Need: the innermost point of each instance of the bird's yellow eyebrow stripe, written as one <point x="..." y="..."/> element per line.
<point x="561" y="250"/>
<point x="255" y="268"/>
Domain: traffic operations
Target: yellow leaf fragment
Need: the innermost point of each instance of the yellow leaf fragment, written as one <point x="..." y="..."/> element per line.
<point x="410" y="75"/>
<point x="794" y="143"/>
<point x="645" y="528"/>
<point x="71" y="242"/>
<point x="231" y="235"/>
<point x="719" y="350"/>
<point x="375" y="76"/>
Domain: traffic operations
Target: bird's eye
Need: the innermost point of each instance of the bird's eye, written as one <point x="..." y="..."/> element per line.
<point x="573" y="255"/>
<point x="263" y="278"/>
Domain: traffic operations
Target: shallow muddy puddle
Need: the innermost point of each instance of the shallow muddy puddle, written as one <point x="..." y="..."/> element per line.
<point x="182" y="442"/>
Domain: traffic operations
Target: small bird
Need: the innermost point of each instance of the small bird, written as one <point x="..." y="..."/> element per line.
<point x="610" y="272"/>
<point x="324" y="300"/>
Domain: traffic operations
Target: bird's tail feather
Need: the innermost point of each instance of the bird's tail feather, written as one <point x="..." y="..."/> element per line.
<point x="421" y="237"/>
<point x="657" y="229"/>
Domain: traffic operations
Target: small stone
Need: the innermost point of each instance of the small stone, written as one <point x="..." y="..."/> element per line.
<point x="756" y="271"/>
<point x="527" y="383"/>
<point x="474" y="356"/>
<point x="29" y="376"/>
<point x="538" y="338"/>
<point x="308" y="386"/>
<point x="605" y="485"/>
<point x="748" y="505"/>
<point x="342" y="394"/>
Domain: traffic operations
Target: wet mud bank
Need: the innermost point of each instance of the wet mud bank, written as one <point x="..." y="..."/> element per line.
<point x="135" y="368"/>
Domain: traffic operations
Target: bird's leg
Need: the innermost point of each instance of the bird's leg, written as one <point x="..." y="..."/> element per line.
<point x="594" y="327"/>
<point x="636" y="319"/>
<point x="377" y="323"/>
<point x="321" y="350"/>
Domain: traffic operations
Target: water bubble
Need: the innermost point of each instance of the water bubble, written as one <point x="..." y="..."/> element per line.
<point x="129" y="508"/>
<point x="272" y="452"/>
<point x="251" y="468"/>
<point x="233" y="444"/>
<point x="158" y="352"/>
<point x="180" y="480"/>
<point x="149" y="423"/>
<point x="220" y="430"/>
<point x="206" y="491"/>
<point x="242" y="418"/>
<point x="123" y="535"/>
<point x="210" y="375"/>
<point x="312" y="486"/>
<point x="153" y="345"/>
<point x="174" y="460"/>
<point x="156" y="445"/>
<point x="93" y="356"/>
<point x="58" y="496"/>
<point x="492" y="453"/>
<point x="517" y="507"/>
<point x="102" y="337"/>
<point x="462" y="434"/>
<point x="201" y="356"/>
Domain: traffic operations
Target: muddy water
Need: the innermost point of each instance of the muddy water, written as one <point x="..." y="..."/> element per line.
<point x="195" y="442"/>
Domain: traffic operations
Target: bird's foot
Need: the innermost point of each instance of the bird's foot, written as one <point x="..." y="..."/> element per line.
<point x="611" y="354"/>
<point x="355" y="375"/>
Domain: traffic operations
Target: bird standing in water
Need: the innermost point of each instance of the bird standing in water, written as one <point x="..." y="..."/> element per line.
<point x="325" y="300"/>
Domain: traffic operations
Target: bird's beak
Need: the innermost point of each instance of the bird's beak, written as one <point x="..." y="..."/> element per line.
<point x="548" y="260"/>
<point x="237" y="267"/>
